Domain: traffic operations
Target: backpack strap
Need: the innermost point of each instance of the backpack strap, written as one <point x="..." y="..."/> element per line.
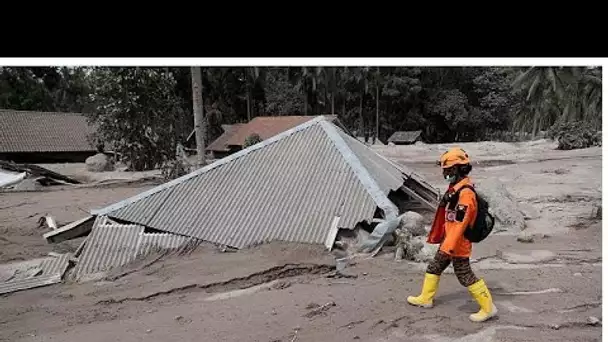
<point x="453" y="198"/>
<point x="467" y="186"/>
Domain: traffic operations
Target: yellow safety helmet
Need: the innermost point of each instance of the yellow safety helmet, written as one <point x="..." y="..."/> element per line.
<point x="454" y="156"/>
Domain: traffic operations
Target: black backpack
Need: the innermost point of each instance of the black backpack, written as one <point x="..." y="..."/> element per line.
<point x="484" y="222"/>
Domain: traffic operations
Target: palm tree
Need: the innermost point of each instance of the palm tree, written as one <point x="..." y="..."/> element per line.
<point x="558" y="94"/>
<point x="199" y="124"/>
<point x="254" y="77"/>
<point x="331" y="84"/>
<point x="362" y="79"/>
<point x="377" y="79"/>
<point x="307" y="80"/>
<point x="298" y="77"/>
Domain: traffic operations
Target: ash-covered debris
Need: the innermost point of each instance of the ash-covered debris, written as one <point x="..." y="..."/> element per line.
<point x="413" y="223"/>
<point x="410" y="239"/>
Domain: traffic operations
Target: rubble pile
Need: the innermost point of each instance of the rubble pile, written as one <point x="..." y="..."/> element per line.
<point x="411" y="239"/>
<point x="30" y="177"/>
<point x="99" y="163"/>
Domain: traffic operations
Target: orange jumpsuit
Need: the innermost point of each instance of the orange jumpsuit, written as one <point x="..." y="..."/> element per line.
<point x="454" y="243"/>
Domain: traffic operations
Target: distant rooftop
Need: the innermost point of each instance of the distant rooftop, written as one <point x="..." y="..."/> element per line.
<point x="31" y="131"/>
<point x="264" y="126"/>
<point x="405" y="136"/>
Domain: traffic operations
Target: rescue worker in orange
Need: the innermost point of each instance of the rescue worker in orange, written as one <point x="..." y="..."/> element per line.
<point x="448" y="228"/>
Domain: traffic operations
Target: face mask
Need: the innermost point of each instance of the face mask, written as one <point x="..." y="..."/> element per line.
<point x="450" y="179"/>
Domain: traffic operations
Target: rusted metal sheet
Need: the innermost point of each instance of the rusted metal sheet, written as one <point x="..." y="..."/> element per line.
<point x="33" y="273"/>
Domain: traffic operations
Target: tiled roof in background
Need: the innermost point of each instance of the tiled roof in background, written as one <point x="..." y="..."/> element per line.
<point x="405" y="136"/>
<point x="219" y="144"/>
<point x="28" y="131"/>
<point x="264" y="126"/>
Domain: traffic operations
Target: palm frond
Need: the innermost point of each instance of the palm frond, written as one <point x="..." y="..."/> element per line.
<point x="551" y="77"/>
<point x="523" y="78"/>
<point x="532" y="89"/>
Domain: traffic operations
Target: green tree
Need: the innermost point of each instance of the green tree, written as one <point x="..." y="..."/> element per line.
<point x="136" y="113"/>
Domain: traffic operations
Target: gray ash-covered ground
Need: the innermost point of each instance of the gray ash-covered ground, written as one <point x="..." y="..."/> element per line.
<point x="548" y="289"/>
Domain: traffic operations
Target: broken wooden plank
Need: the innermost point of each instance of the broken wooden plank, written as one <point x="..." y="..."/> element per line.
<point x="70" y="231"/>
<point x="333" y="232"/>
<point x="419" y="198"/>
<point x="48" y="220"/>
<point x="423" y="189"/>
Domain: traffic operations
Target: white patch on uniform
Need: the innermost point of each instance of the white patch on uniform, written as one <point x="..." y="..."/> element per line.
<point x="450" y="215"/>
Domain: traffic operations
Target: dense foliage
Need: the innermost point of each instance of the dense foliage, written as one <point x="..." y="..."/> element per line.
<point x="251" y="140"/>
<point x="575" y="135"/>
<point x="144" y="112"/>
<point x="140" y="112"/>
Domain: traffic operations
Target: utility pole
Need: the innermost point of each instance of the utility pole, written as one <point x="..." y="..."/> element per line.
<point x="377" y="104"/>
<point x="200" y="126"/>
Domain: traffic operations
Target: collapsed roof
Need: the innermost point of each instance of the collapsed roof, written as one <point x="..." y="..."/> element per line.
<point x="298" y="186"/>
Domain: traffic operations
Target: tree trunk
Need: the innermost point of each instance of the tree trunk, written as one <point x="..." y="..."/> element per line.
<point x="200" y="127"/>
<point x="305" y="101"/>
<point x="325" y="99"/>
<point x="361" y="128"/>
<point x="377" y="112"/>
<point x="248" y="104"/>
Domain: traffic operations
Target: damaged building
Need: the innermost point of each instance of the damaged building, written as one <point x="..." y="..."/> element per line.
<point x="304" y="185"/>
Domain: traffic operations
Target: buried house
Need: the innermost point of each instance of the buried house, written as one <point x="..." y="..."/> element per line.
<point x="45" y="137"/>
<point x="301" y="186"/>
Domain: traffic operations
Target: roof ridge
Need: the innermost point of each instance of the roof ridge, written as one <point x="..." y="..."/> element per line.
<point x="360" y="171"/>
<point x="209" y="167"/>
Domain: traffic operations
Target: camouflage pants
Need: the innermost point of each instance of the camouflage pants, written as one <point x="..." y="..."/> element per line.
<point x="462" y="268"/>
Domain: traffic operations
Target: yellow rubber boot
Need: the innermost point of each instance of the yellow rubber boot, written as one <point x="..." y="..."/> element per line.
<point x="429" y="289"/>
<point x="482" y="295"/>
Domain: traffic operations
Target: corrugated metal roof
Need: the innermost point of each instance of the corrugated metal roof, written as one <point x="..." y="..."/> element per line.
<point x="386" y="175"/>
<point x="107" y="246"/>
<point x="289" y="187"/>
<point x="33" y="273"/>
<point x="112" y="245"/>
<point x="405" y="136"/>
